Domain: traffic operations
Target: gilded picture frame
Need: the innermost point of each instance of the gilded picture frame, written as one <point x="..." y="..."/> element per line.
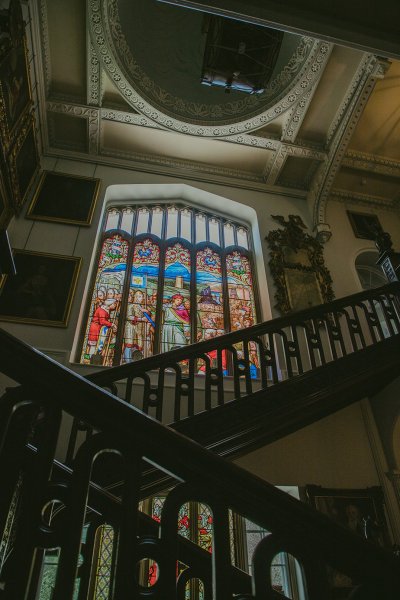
<point x="42" y="291"/>
<point x="24" y="163"/>
<point x="64" y="198"/>
<point x="297" y="266"/>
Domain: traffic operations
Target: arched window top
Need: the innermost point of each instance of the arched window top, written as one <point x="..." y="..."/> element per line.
<point x="175" y="220"/>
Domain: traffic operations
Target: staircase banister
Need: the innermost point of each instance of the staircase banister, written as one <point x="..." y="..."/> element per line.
<point x="53" y="383"/>
<point x="134" y="369"/>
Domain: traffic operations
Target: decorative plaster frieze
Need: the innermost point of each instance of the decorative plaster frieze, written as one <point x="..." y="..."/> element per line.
<point x="94" y="132"/>
<point x="93" y="76"/>
<point x="323" y="180"/>
<point x="120" y="116"/>
<point x="86" y="112"/>
<point x="274" y="168"/>
<point x="292" y="127"/>
<point x="376" y="69"/>
<point x="366" y="200"/>
<point x="372" y="163"/>
<point x="42" y="43"/>
<point x="102" y="20"/>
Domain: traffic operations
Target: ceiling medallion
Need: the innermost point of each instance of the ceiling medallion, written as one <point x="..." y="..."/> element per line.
<point x="220" y="115"/>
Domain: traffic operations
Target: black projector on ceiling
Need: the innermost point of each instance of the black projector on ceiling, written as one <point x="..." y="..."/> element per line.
<point x="239" y="56"/>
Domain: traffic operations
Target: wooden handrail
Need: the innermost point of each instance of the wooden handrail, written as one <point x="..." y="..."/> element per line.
<point x="111" y="374"/>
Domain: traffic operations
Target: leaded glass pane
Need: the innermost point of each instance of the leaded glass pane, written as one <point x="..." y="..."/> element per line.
<point x="142" y="300"/>
<point x="213" y="225"/>
<point x="229" y="238"/>
<point x="157" y="221"/>
<point x="186" y="224"/>
<point x="143" y="221"/>
<point x="105" y="535"/>
<point x="242" y="238"/>
<point x="112" y="219"/>
<point x="127" y="219"/>
<point x="172" y="222"/>
<point x="205" y="531"/>
<point x="176" y="298"/>
<point x="201" y="235"/>
<point x="99" y="341"/>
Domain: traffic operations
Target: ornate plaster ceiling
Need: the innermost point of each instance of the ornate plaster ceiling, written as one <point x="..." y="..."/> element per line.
<point x="117" y="83"/>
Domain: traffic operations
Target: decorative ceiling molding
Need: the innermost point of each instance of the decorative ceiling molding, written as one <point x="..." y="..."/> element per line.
<point x="361" y="161"/>
<point x="274" y="167"/>
<point x="371" y="69"/>
<point x="93" y="76"/>
<point x="176" y="170"/>
<point x="42" y="43"/>
<point x="120" y="116"/>
<point x="86" y="112"/>
<point x="365" y="200"/>
<point x="299" y="111"/>
<point x="381" y="68"/>
<point x="102" y="40"/>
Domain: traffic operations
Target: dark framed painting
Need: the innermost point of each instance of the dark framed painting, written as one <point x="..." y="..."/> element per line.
<point x="41" y="292"/>
<point x="364" y="225"/>
<point x="15" y="92"/>
<point x="64" y="198"/>
<point x="361" y="511"/>
<point x="24" y="163"/>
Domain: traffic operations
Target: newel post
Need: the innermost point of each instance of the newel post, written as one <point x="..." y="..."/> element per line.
<point x="388" y="260"/>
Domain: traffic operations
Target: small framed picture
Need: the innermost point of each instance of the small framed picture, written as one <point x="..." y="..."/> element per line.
<point x="23" y="164"/>
<point x="41" y="292"/>
<point x="64" y="198"/>
<point x="15" y="93"/>
<point x="365" y="225"/>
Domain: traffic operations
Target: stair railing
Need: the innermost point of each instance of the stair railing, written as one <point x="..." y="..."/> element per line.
<point x="35" y="411"/>
<point x="202" y="376"/>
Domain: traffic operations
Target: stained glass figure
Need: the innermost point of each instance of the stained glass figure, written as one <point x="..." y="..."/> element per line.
<point x="99" y="343"/>
<point x="176" y="299"/>
<point x="241" y="304"/>
<point x="142" y="298"/>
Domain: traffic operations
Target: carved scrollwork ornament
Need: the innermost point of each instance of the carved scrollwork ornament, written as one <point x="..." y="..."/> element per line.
<point x="297" y="267"/>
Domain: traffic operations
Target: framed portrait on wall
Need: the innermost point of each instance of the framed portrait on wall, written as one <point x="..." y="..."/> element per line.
<point x="364" y="225"/>
<point x="41" y="292"/>
<point x="64" y="198"/>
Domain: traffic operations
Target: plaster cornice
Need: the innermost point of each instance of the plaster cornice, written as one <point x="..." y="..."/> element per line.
<point x="372" y="163"/>
<point x="365" y="200"/>
<point x="299" y="111"/>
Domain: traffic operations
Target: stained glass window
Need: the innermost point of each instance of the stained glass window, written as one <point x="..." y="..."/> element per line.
<point x="167" y="276"/>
